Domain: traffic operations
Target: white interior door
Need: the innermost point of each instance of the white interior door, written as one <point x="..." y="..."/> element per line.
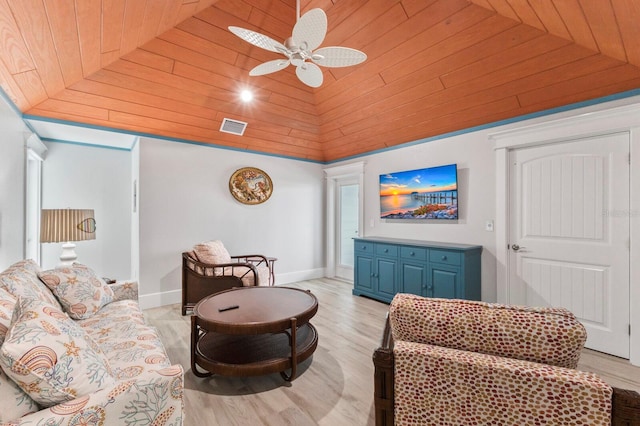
<point x="347" y="221"/>
<point x="569" y="234"/>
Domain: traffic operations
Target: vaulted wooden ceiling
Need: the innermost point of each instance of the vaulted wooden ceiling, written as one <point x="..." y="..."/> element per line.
<point x="171" y="67"/>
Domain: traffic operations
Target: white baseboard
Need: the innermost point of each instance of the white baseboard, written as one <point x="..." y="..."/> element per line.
<point x="293" y="277"/>
<point x="155" y="300"/>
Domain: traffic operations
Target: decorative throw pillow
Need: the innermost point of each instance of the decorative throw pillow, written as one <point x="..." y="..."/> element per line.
<point x="14" y="403"/>
<point x="212" y="252"/>
<point x="80" y="291"/>
<point x="50" y="357"/>
<point x="21" y="280"/>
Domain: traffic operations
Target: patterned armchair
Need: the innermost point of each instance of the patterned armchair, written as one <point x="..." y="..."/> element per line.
<point x="209" y="269"/>
<point x="453" y="362"/>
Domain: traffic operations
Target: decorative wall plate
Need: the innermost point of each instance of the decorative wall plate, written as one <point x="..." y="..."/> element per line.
<point x="250" y="185"/>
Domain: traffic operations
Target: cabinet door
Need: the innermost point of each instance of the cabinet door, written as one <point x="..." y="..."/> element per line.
<point x="387" y="276"/>
<point x="363" y="279"/>
<point x="444" y="281"/>
<point x="414" y="278"/>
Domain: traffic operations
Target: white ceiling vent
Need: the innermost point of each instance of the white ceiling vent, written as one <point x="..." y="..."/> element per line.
<point x="233" y="126"/>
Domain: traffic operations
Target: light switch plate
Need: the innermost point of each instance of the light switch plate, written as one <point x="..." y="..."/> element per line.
<point x="488" y="226"/>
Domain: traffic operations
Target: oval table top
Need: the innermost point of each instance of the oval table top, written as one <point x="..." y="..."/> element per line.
<point x="255" y="310"/>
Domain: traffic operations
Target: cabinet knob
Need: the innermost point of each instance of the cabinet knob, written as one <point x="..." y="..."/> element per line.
<point x="386" y="250"/>
<point x="364" y="247"/>
<point x="444" y="257"/>
<point x="412" y="254"/>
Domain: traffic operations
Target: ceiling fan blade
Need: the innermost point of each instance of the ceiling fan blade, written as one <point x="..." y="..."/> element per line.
<point x="310" y="28"/>
<point x="335" y="57"/>
<point x="269" y="67"/>
<point x="258" y="39"/>
<point x="310" y="74"/>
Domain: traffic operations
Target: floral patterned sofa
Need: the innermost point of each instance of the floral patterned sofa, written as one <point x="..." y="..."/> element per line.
<point x="76" y="351"/>
<point x="457" y="362"/>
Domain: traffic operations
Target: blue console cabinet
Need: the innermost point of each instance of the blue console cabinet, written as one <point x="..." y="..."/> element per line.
<point x="386" y="266"/>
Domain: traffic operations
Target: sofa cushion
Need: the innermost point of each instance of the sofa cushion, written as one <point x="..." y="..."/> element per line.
<point x="21" y="280"/>
<point x="547" y="335"/>
<point x="7" y="305"/>
<point x="14" y="402"/>
<point x="51" y="357"/>
<point x="212" y="252"/>
<point x="80" y="291"/>
<point x="132" y="347"/>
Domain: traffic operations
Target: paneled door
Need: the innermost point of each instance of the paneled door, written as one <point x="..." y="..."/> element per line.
<point x="569" y="233"/>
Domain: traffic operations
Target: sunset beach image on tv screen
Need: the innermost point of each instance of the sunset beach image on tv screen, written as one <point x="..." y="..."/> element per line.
<point x="430" y="193"/>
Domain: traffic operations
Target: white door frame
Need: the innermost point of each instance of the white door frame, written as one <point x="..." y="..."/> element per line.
<point x="352" y="170"/>
<point x="341" y="270"/>
<point x="618" y="119"/>
<point x="36" y="152"/>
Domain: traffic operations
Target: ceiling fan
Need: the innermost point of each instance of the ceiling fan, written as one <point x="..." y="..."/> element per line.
<point x="308" y="33"/>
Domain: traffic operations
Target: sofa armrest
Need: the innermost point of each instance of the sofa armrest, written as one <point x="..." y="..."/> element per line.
<point x="154" y="397"/>
<point x="451" y="386"/>
<point x="125" y="290"/>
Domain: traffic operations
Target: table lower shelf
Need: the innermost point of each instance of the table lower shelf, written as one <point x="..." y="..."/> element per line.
<point x="252" y="355"/>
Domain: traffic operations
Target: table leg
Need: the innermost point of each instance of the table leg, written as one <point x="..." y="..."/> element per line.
<point x="294" y="352"/>
<point x="195" y="337"/>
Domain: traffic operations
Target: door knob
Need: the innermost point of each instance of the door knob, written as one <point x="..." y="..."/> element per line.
<point x="516" y="247"/>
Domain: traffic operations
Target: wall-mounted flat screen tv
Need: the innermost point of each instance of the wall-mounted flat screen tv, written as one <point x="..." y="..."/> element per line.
<point x="430" y="193"/>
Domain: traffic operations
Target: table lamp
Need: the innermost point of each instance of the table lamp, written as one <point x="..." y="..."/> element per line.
<point x="65" y="226"/>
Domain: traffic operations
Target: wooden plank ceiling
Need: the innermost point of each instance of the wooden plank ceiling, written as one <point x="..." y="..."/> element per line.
<point x="171" y="68"/>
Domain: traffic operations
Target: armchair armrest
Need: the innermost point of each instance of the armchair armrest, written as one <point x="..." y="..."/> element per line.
<point x="626" y="407"/>
<point x="383" y="363"/>
<point x="124" y="290"/>
<point x="257" y="259"/>
<point x="154" y="397"/>
<point x="200" y="280"/>
<point x="451" y="386"/>
<point x="625" y="404"/>
<point x="218" y="269"/>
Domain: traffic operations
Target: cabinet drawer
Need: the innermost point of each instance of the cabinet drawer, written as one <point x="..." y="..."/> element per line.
<point x="386" y="250"/>
<point x="445" y="256"/>
<point x="413" y="253"/>
<point x="363" y="247"/>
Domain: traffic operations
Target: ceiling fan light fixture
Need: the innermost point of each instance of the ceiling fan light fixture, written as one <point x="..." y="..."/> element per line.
<point x="308" y="34"/>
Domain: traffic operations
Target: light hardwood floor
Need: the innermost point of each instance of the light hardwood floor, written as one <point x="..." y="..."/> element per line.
<point x="334" y="387"/>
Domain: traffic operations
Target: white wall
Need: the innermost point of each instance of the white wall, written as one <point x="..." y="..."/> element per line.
<point x="474" y="154"/>
<point x="90" y="177"/>
<point x="476" y="191"/>
<point x="12" y="185"/>
<point x="184" y="199"/>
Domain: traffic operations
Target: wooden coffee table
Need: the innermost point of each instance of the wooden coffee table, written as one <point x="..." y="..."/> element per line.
<point x="249" y="331"/>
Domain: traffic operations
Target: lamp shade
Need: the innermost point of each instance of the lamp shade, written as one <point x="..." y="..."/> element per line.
<point x="64" y="225"/>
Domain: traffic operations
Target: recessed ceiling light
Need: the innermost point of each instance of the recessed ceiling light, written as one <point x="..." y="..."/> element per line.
<point x="246" y="95"/>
